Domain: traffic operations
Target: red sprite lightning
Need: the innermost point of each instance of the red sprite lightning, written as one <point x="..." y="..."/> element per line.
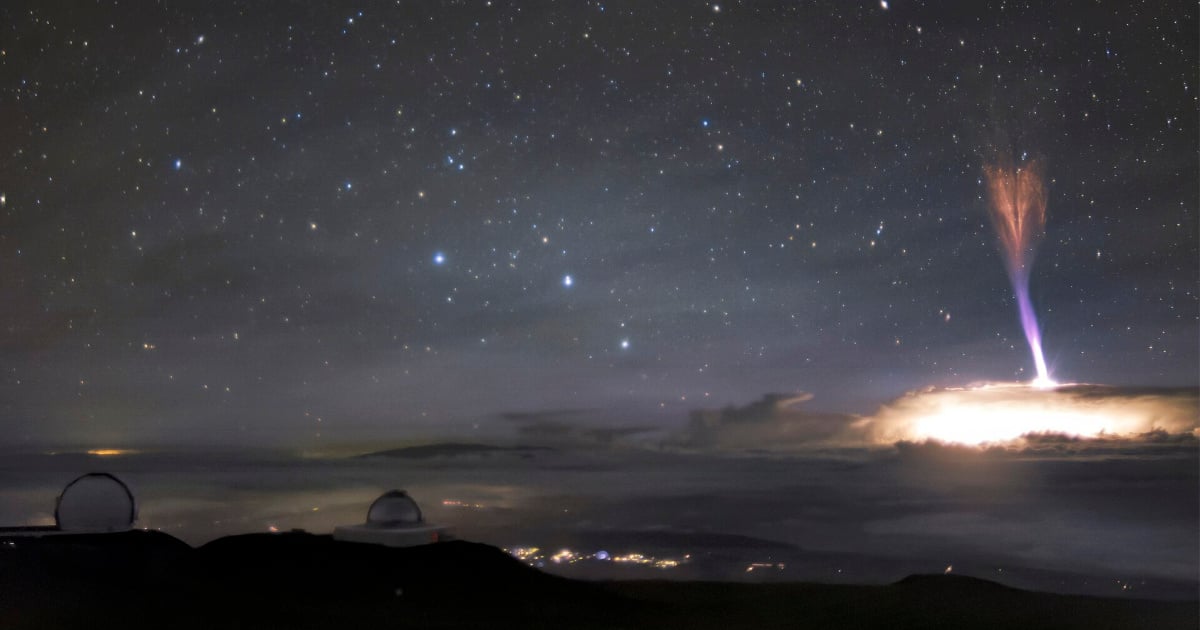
<point x="1018" y="211"/>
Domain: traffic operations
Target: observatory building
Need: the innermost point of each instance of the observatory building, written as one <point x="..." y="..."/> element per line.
<point x="394" y="520"/>
<point x="93" y="503"/>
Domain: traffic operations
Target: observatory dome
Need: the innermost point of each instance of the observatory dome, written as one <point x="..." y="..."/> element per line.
<point x="394" y="509"/>
<point x="393" y="520"/>
<point x="95" y="502"/>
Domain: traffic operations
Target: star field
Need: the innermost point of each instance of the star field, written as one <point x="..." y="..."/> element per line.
<point x="285" y="222"/>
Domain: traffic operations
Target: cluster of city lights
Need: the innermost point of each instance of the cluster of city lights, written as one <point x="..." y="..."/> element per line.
<point x="461" y="504"/>
<point x="535" y="557"/>
<point x="760" y="566"/>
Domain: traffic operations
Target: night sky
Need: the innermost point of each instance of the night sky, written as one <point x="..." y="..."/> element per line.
<point x="291" y="224"/>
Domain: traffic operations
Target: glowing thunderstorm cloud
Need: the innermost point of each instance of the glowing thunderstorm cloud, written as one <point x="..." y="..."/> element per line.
<point x="1018" y="210"/>
<point x="996" y="413"/>
<point x="1042" y="411"/>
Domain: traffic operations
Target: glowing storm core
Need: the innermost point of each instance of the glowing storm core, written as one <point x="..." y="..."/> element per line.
<point x="996" y="413"/>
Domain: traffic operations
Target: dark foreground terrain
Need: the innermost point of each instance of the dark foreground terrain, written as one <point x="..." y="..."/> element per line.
<point x="296" y="580"/>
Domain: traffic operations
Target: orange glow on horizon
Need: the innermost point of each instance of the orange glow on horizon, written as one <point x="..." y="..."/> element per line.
<point x="110" y="452"/>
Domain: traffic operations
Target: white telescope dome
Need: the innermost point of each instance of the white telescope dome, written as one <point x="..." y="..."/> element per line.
<point x="95" y="502"/>
<point x="394" y="508"/>
<point x="394" y="520"/>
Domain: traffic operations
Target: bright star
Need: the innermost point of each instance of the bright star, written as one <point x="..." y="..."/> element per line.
<point x="178" y="164"/>
<point x="568" y="281"/>
<point x="438" y="258"/>
<point x="624" y="344"/>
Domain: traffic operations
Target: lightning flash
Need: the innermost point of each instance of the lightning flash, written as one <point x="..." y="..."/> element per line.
<point x="1018" y="211"/>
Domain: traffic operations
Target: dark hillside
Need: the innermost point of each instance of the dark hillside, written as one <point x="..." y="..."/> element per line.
<point x="298" y="580"/>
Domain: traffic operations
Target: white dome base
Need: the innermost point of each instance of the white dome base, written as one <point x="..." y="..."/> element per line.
<point x="393" y="536"/>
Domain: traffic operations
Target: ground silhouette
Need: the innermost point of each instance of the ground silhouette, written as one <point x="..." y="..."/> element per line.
<point x="297" y="580"/>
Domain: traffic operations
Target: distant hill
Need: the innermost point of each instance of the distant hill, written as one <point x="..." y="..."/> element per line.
<point x="296" y="580"/>
<point x="453" y="449"/>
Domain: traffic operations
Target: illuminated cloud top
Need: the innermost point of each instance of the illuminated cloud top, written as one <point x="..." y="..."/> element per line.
<point x="1004" y="412"/>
